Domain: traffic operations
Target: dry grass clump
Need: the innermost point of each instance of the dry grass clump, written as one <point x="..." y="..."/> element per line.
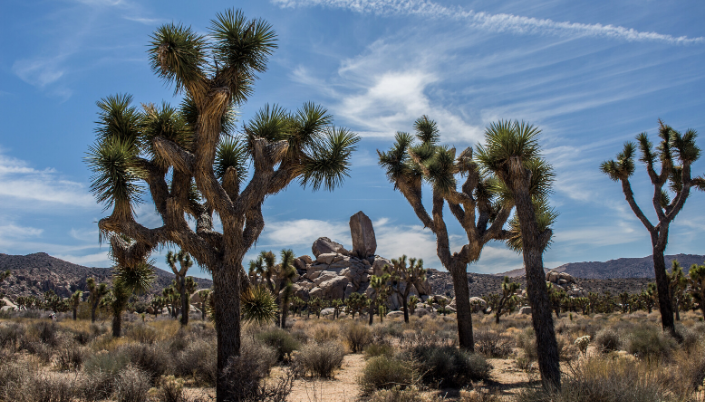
<point x="131" y="385"/>
<point x="605" y="379"/>
<point x="493" y="344"/>
<point x="608" y="340"/>
<point x="357" y="336"/>
<point x="379" y="349"/>
<point x="199" y="361"/>
<point x="383" y="372"/>
<point x="398" y="394"/>
<point x="325" y="333"/>
<point x="321" y="359"/>
<point x="650" y="342"/>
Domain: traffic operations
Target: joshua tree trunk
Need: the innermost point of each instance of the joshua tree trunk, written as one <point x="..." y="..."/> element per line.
<point x="94" y="307"/>
<point x="117" y="325"/>
<point x="372" y="312"/>
<point x="463" y="308"/>
<point x="665" y="304"/>
<point x="184" y="302"/>
<point x="75" y="309"/>
<point x="405" y="306"/>
<point x="226" y="290"/>
<point x="533" y="245"/>
<point x="203" y="310"/>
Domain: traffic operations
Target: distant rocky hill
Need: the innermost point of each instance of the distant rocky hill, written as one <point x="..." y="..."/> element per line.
<point x="619" y="268"/>
<point x="34" y="274"/>
<point x="441" y="283"/>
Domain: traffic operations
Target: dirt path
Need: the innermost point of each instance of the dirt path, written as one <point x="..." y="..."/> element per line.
<point x="343" y="387"/>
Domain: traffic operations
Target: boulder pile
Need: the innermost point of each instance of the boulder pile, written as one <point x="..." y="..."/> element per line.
<point x="335" y="273"/>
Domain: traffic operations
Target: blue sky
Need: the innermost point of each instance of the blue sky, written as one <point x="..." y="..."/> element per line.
<point x="591" y="75"/>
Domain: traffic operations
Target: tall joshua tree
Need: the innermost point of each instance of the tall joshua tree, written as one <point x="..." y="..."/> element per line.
<point x="193" y="168"/>
<point x="512" y="154"/>
<point x="95" y="295"/>
<point x="75" y="301"/>
<point x="480" y="210"/>
<point x="413" y="275"/>
<point x="185" y="262"/>
<point x="676" y="153"/>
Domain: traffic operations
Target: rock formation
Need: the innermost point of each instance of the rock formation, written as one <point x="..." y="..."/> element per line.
<point x="363" y="236"/>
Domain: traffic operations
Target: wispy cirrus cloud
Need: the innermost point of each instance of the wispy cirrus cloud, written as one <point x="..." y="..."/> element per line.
<point x="501" y="22"/>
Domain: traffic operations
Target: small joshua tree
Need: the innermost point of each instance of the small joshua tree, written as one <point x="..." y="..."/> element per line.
<point x="126" y="282"/>
<point x="381" y="293"/>
<point x="508" y="299"/>
<point x="413" y="301"/>
<point x="676" y="153"/>
<point x="75" y="301"/>
<point x="696" y="279"/>
<point x="413" y="275"/>
<point x="95" y="295"/>
<point x="677" y="283"/>
<point x="185" y="262"/>
<point x="204" y="295"/>
<point x="356" y="304"/>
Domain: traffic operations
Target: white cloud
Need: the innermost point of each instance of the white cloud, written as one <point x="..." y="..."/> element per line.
<point x="101" y="259"/>
<point x="22" y="186"/>
<point x="40" y="71"/>
<point x="19" y="232"/>
<point x="622" y="232"/>
<point x="493" y="22"/>
<point x="303" y="232"/>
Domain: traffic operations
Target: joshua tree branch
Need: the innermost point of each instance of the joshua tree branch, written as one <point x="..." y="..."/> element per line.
<point x="416" y="204"/>
<point x="178" y="157"/>
<point x="629" y="195"/>
<point x="442" y="242"/>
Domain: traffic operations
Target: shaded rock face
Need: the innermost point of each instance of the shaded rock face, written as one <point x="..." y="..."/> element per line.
<point x="363" y="236"/>
<point x="324" y="245"/>
<point x="565" y="281"/>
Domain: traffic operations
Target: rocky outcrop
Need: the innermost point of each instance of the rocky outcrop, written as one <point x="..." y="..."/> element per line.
<point x="566" y="282"/>
<point x="363" y="236"/>
<point x="324" y="245"/>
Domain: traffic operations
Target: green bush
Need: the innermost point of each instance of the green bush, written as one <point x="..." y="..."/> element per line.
<point x="383" y="372"/>
<point x="281" y="341"/>
<point x="357" y="336"/>
<point x="650" y="342"/>
<point x="151" y="359"/>
<point x="448" y="366"/>
<point x="106" y="362"/>
<point x="379" y="349"/>
<point x="321" y="359"/>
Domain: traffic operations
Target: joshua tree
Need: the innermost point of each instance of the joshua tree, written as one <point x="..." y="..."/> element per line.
<point x="696" y="279"/>
<point x="172" y="298"/>
<point x="157" y="305"/>
<point x="480" y="210"/>
<point x="277" y="277"/>
<point x="508" y="299"/>
<point x="54" y="302"/>
<point x="126" y="282"/>
<point x="75" y="301"/>
<point x="315" y="305"/>
<point x="443" y="302"/>
<point x="676" y="154"/>
<point x="185" y="262"/>
<point x="194" y="169"/>
<point x="413" y="301"/>
<point x="381" y="287"/>
<point x="336" y="304"/>
<point x="356" y="303"/>
<point x="624" y="300"/>
<point x="204" y="295"/>
<point x="413" y="275"/>
<point x="95" y="295"/>
<point x="556" y="297"/>
<point x="511" y="152"/>
<point x="677" y="283"/>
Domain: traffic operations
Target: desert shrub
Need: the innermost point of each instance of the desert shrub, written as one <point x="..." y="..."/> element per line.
<point x="39" y="349"/>
<point x="131" y="385"/>
<point x="321" y="359"/>
<point x="567" y="351"/>
<point x="98" y="329"/>
<point x="106" y="362"/>
<point x="448" y="366"/>
<point x="379" y="349"/>
<point x="198" y="359"/>
<point x="98" y="385"/>
<point x="281" y="341"/>
<point x="151" y="359"/>
<point x="686" y="375"/>
<point x="46" y="331"/>
<point x="526" y="341"/>
<point x="384" y="372"/>
<point x="398" y="394"/>
<point x="12" y="379"/>
<point x="82" y="337"/>
<point x="603" y="379"/>
<point x="479" y="396"/>
<point x="141" y="333"/>
<point x="19" y="382"/>
<point x="607" y="340"/>
<point x="243" y="376"/>
<point x="391" y="328"/>
<point x="180" y="341"/>
<point x="493" y="344"/>
<point x="325" y="333"/>
<point x="172" y="390"/>
<point x="650" y="342"/>
<point x="300" y="336"/>
<point x="10" y="335"/>
<point x="357" y="336"/>
<point x="691" y="339"/>
<point x="70" y="357"/>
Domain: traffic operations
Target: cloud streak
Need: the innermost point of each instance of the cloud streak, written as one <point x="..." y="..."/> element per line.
<point x="494" y="22"/>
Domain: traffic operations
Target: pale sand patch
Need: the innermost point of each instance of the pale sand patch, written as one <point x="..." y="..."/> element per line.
<point x="342" y="388"/>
